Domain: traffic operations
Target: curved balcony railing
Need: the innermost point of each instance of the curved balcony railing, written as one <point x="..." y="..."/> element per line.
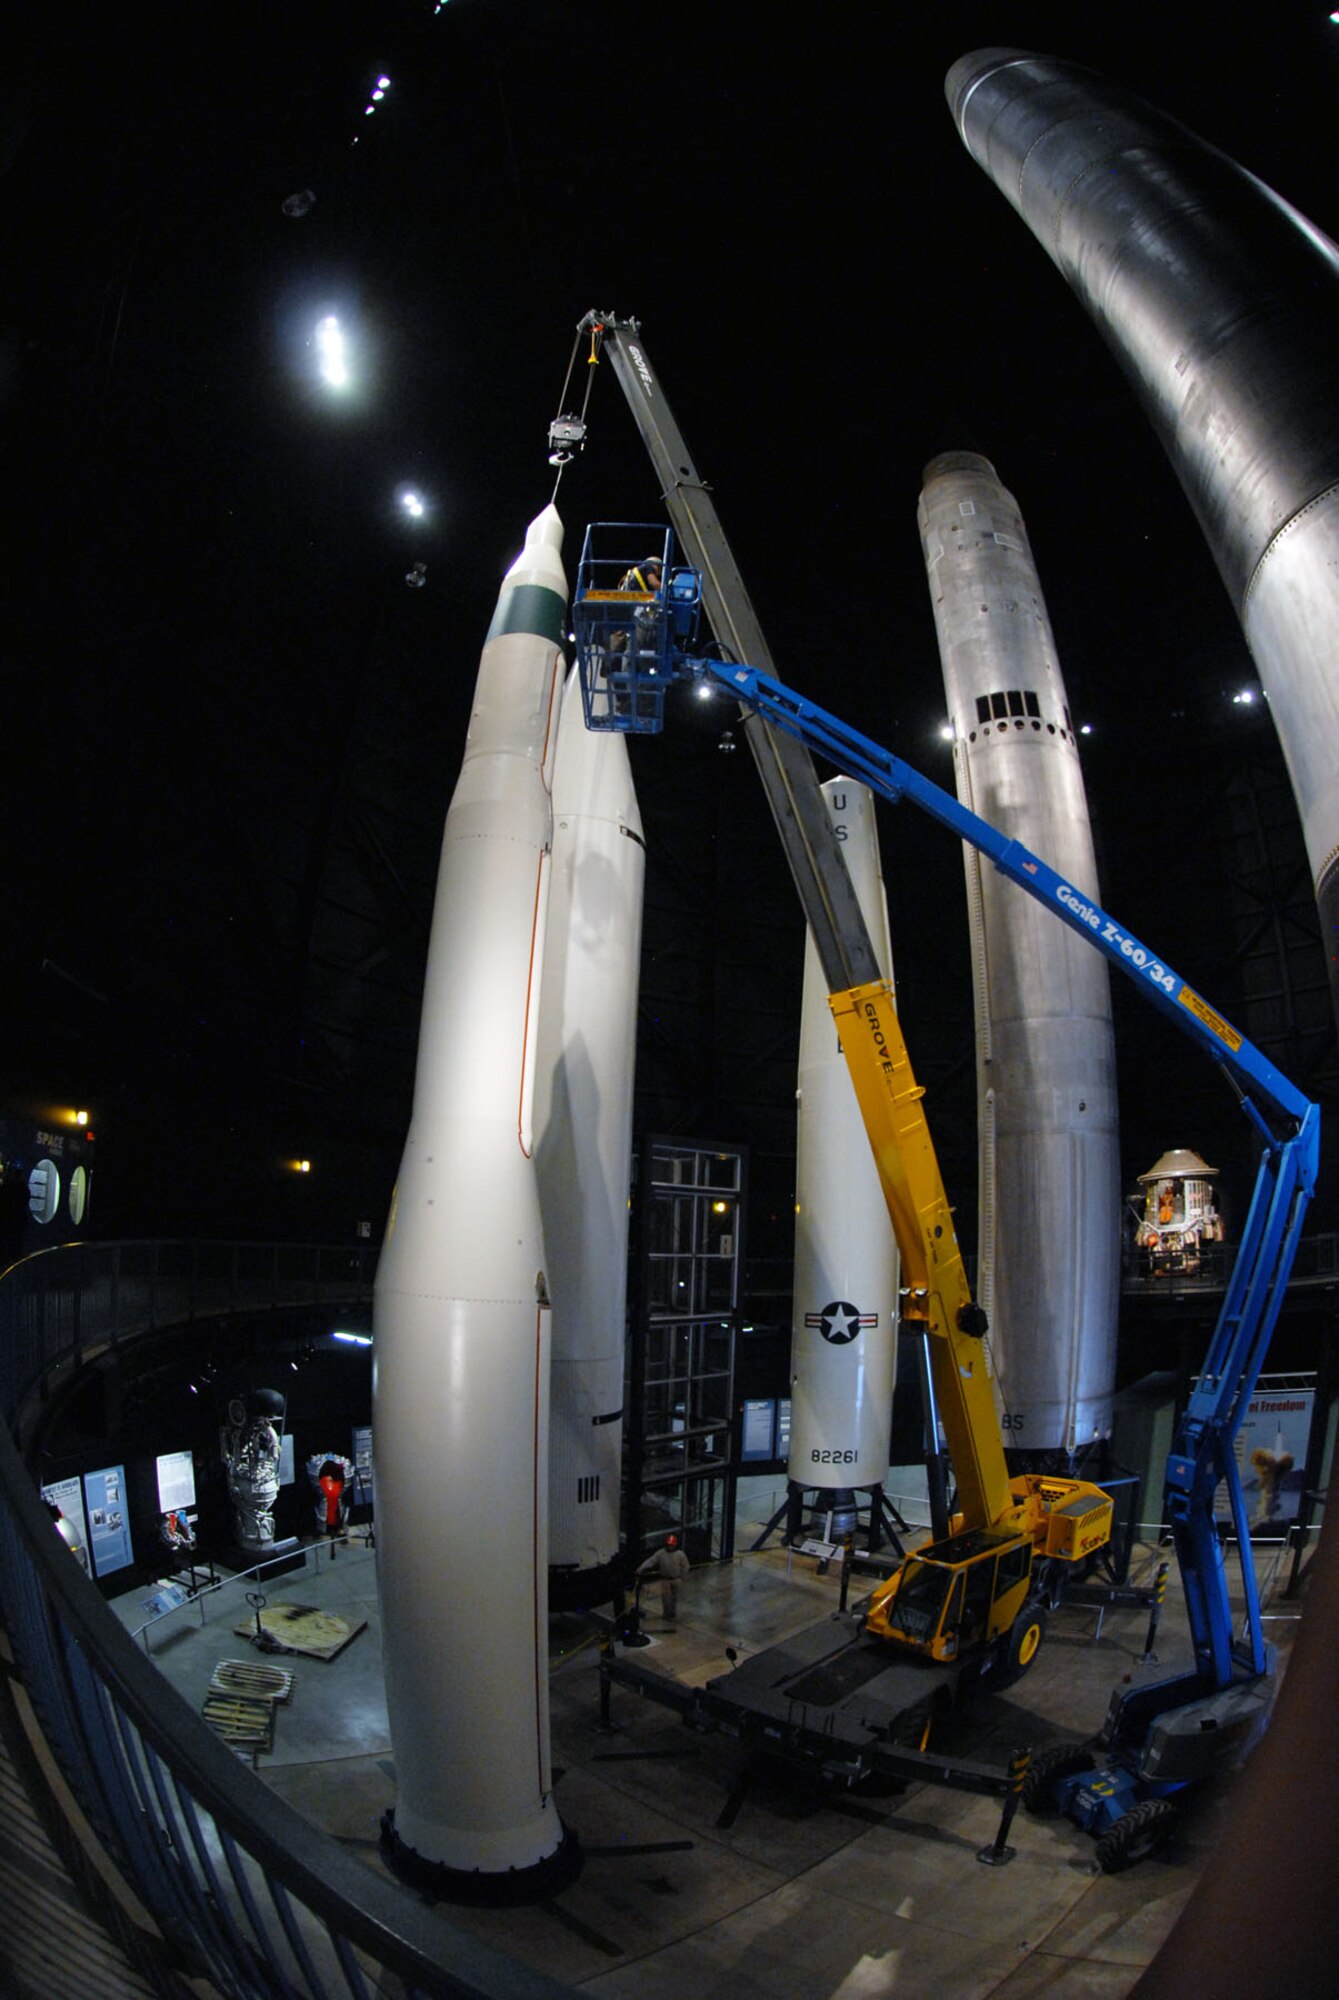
<point x="1209" y="1268"/>
<point x="247" y="1894"/>
<point x="63" y="1306"/>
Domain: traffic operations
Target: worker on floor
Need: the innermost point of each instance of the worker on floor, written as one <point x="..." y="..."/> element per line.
<point x="670" y="1564"/>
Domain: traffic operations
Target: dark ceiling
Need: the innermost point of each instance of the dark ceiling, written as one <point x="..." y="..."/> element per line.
<point x="233" y="730"/>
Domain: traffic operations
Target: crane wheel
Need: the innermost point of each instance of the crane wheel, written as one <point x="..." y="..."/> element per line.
<point x="1023" y="1645"/>
<point x="1140" y="1833"/>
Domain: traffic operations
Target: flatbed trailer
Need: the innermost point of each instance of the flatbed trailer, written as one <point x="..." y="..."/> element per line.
<point x="831" y="1704"/>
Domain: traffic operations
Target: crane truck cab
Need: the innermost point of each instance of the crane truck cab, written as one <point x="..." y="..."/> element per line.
<point x="986" y="1591"/>
<point x="959" y="1595"/>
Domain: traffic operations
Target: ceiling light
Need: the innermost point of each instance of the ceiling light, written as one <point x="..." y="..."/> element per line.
<point x="330" y="348"/>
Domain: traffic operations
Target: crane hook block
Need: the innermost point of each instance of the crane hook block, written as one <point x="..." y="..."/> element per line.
<point x="972" y="1320"/>
<point x="567" y="436"/>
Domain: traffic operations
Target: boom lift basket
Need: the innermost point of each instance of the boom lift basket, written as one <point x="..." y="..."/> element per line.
<point x="631" y="630"/>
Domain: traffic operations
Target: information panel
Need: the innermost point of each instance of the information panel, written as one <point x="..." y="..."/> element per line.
<point x="362" y="1462"/>
<point x="783" y="1428"/>
<point x="108" y="1529"/>
<point x="758" y="1428"/>
<point x="176" y="1481"/>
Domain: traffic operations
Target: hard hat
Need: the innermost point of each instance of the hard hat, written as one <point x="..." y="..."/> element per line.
<point x="671" y="1541"/>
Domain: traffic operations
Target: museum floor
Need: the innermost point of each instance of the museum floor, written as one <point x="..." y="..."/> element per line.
<point x="688" y="1890"/>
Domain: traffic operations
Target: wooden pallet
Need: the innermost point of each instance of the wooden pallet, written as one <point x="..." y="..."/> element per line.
<point x="246" y="1725"/>
<point x="252" y="1680"/>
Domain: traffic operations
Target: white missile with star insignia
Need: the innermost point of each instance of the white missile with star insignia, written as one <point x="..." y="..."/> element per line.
<point x="843" y="1348"/>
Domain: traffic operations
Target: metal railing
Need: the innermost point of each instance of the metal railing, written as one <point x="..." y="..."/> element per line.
<point x="63" y="1306"/>
<point x="1210" y="1267"/>
<point x="225" y="1597"/>
<point x="248" y="1895"/>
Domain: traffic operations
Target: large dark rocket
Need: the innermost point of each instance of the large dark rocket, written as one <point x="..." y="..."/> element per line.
<point x="1221" y="302"/>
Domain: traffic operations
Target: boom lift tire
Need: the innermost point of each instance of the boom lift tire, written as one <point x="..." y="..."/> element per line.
<point x="1029" y="1629"/>
<point x="1044" y="1773"/>
<point x="1141" y="1832"/>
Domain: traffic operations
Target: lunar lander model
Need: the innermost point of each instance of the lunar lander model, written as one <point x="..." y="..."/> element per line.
<point x="1179" y="1217"/>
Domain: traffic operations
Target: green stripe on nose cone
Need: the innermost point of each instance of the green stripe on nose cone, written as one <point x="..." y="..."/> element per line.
<point x="530" y="607"/>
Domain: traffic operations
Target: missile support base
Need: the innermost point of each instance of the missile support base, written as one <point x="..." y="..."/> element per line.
<point x="483" y="1888"/>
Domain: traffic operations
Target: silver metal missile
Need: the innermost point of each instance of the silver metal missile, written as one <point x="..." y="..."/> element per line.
<point x="1049" y="1156"/>
<point x="1222" y="304"/>
<point x="583" y="1139"/>
<point x="844" y="1332"/>
<point x="462" y="1357"/>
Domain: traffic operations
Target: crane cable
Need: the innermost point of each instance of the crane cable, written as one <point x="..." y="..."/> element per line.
<point x="575" y="426"/>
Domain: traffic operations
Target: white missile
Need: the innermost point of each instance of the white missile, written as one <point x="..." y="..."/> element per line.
<point x="844" y="1334"/>
<point x="461" y="1388"/>
<point x="1049" y="1158"/>
<point x="583" y="1139"/>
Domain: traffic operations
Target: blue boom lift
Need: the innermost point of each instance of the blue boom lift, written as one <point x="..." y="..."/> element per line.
<point x="1163" y="1730"/>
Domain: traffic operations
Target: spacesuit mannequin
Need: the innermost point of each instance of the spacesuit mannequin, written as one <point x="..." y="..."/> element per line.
<point x="251" y="1454"/>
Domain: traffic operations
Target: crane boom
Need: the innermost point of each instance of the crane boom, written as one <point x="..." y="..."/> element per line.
<point x="822" y="878"/>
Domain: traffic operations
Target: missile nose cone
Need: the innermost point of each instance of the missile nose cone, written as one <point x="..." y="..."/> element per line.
<point x="540" y="561"/>
<point x="949" y="462"/>
<point x="543" y="542"/>
<point x="546" y="528"/>
<point x="972" y="69"/>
